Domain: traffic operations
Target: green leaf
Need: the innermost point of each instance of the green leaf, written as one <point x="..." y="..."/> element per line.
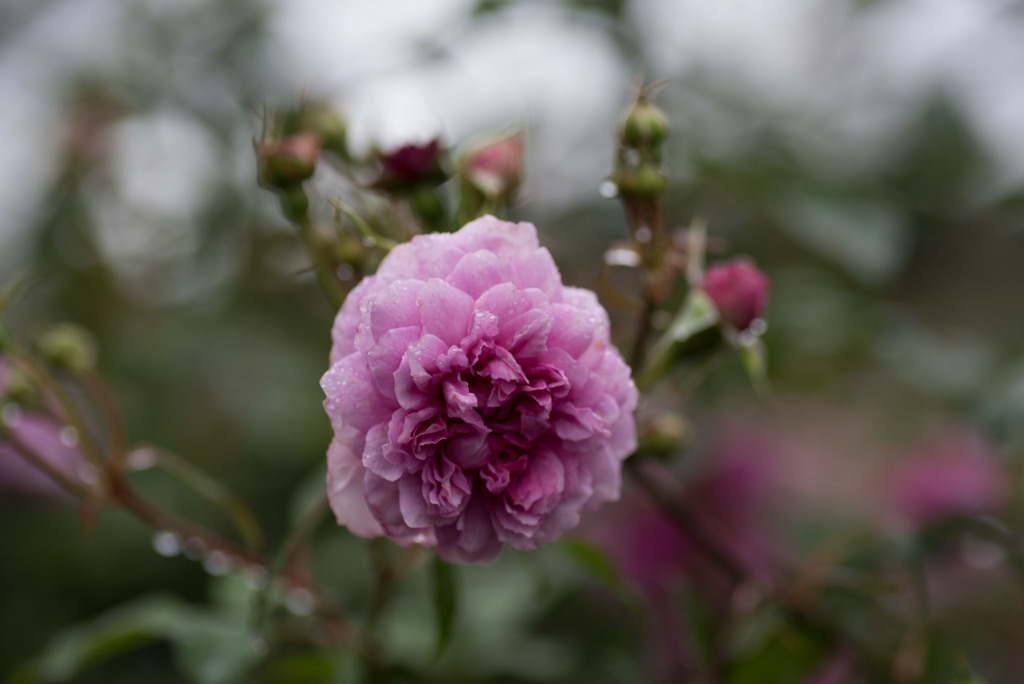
<point x="594" y="560"/>
<point x="754" y="356"/>
<point x="209" y="647"/>
<point x="445" y="601"/>
<point x="118" y="631"/>
<point x="697" y="315"/>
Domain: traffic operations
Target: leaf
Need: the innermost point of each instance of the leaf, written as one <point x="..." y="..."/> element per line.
<point x="445" y="601"/>
<point x="595" y="561"/>
<point x="213" y="650"/>
<point x="697" y="315"/>
<point x="118" y="631"/>
<point x="209" y="647"/>
<point x="754" y="356"/>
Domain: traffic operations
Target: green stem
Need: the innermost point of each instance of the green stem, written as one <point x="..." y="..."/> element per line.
<point x="363" y="227"/>
<point x="215" y="492"/>
<point x="324" y="275"/>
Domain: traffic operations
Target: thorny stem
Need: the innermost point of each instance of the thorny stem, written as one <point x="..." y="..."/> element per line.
<point x="100" y="392"/>
<point x="117" y="491"/>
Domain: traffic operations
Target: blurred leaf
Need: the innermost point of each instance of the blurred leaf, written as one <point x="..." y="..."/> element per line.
<point x="210" y="647"/>
<point x="864" y="235"/>
<point x="212" y="650"/>
<point x="445" y="601"/>
<point x="754" y="356"/>
<point x="683" y="337"/>
<point x="118" y="631"/>
<point x="786" y="655"/>
<point x="594" y="560"/>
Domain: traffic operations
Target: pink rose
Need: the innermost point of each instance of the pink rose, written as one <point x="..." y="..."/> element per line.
<point x="475" y="400"/>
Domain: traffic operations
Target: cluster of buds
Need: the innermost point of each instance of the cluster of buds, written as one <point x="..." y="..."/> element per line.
<point x="642" y="134"/>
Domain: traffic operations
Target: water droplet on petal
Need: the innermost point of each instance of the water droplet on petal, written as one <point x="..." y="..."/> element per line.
<point x="420" y="538"/>
<point x="217" y="563"/>
<point x="194" y="548"/>
<point x="10" y="414"/>
<point x="167" y="544"/>
<point x="608" y="189"/>
<point x="68" y="436"/>
<point x="758" y="326"/>
<point x="300" y="602"/>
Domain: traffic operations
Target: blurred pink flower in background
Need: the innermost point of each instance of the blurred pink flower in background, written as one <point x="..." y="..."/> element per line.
<point x="476" y="401"/>
<point x="954" y="473"/>
<point x="41" y="433"/>
<point x="739" y="291"/>
<point x="733" y="494"/>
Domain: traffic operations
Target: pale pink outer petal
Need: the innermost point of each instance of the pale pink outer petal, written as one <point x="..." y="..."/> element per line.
<point x="345" y="486"/>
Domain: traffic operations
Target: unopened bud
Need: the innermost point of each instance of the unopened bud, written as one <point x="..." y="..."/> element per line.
<point x="70" y="347"/>
<point x="644" y="126"/>
<point x="645" y="181"/>
<point x="18" y="387"/>
<point x="412" y="166"/>
<point x="286" y="162"/>
<point x="495" y="167"/>
<point x="738" y="290"/>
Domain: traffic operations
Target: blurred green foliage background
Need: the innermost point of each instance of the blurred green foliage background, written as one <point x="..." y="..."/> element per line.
<point x="865" y="154"/>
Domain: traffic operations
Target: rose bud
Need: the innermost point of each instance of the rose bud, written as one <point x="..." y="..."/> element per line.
<point x="494" y="167"/>
<point x="286" y="162"/>
<point x="69" y="347"/>
<point x="644" y="125"/>
<point x="413" y="165"/>
<point x="739" y="291"/>
<point x="23" y="417"/>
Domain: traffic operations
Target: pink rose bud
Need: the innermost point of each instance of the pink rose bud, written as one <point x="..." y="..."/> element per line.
<point x="412" y="165"/>
<point x="495" y="167"/>
<point x="739" y="291"/>
<point x="476" y="401"/>
<point x="286" y="162"/>
<point x="40" y="432"/>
